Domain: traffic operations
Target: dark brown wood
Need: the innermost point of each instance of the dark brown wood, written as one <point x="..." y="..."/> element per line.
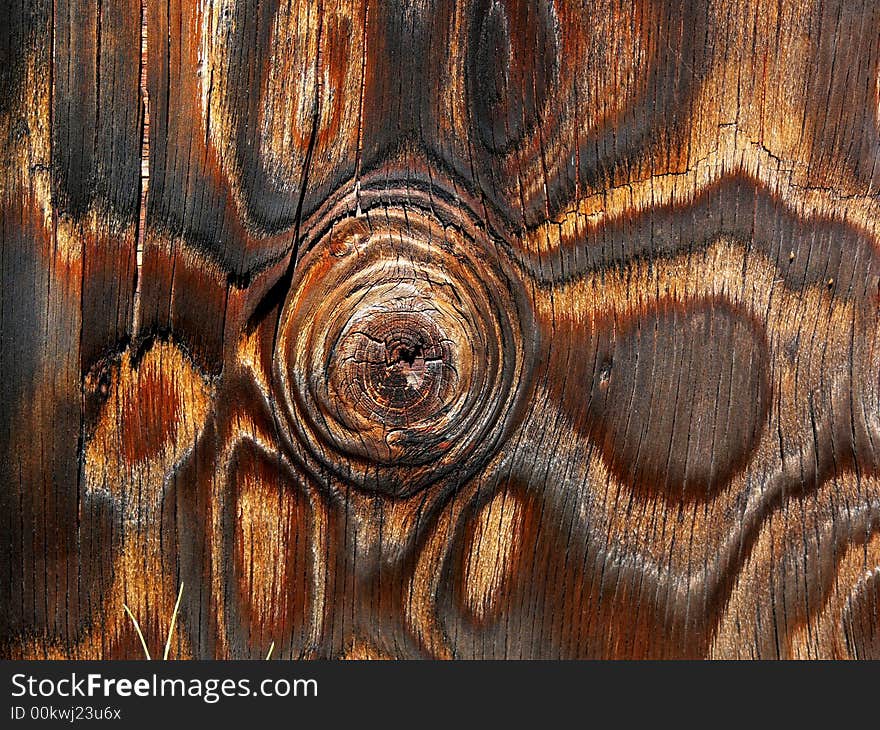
<point x="453" y="329"/>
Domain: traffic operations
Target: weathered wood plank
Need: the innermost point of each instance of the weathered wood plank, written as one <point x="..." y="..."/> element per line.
<point x="450" y="329"/>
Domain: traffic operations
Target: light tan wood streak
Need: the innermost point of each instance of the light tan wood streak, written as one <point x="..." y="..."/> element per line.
<point x="790" y="595"/>
<point x="308" y="92"/>
<point x="289" y="501"/>
<point x="825" y="634"/>
<point x="733" y="154"/>
<point x="153" y="415"/>
<point x="492" y="550"/>
<point x="27" y="157"/>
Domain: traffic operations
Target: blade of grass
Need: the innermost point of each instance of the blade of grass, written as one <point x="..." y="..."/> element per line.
<point x="173" y="622"/>
<point x="137" y="628"/>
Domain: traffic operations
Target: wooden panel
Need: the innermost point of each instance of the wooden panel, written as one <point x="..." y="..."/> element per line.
<point x="445" y="329"/>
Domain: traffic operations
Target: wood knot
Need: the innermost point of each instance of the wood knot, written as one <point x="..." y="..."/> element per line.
<point x="398" y="361"/>
<point x="404" y="349"/>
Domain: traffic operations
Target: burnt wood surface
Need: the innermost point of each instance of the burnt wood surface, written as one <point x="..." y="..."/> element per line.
<point x="450" y="328"/>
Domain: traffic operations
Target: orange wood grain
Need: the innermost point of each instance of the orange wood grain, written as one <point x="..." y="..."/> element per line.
<point x="475" y="329"/>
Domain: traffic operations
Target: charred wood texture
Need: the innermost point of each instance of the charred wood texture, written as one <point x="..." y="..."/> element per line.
<point x="456" y="328"/>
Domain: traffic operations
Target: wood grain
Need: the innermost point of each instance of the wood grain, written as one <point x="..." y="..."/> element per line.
<point x="454" y="329"/>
